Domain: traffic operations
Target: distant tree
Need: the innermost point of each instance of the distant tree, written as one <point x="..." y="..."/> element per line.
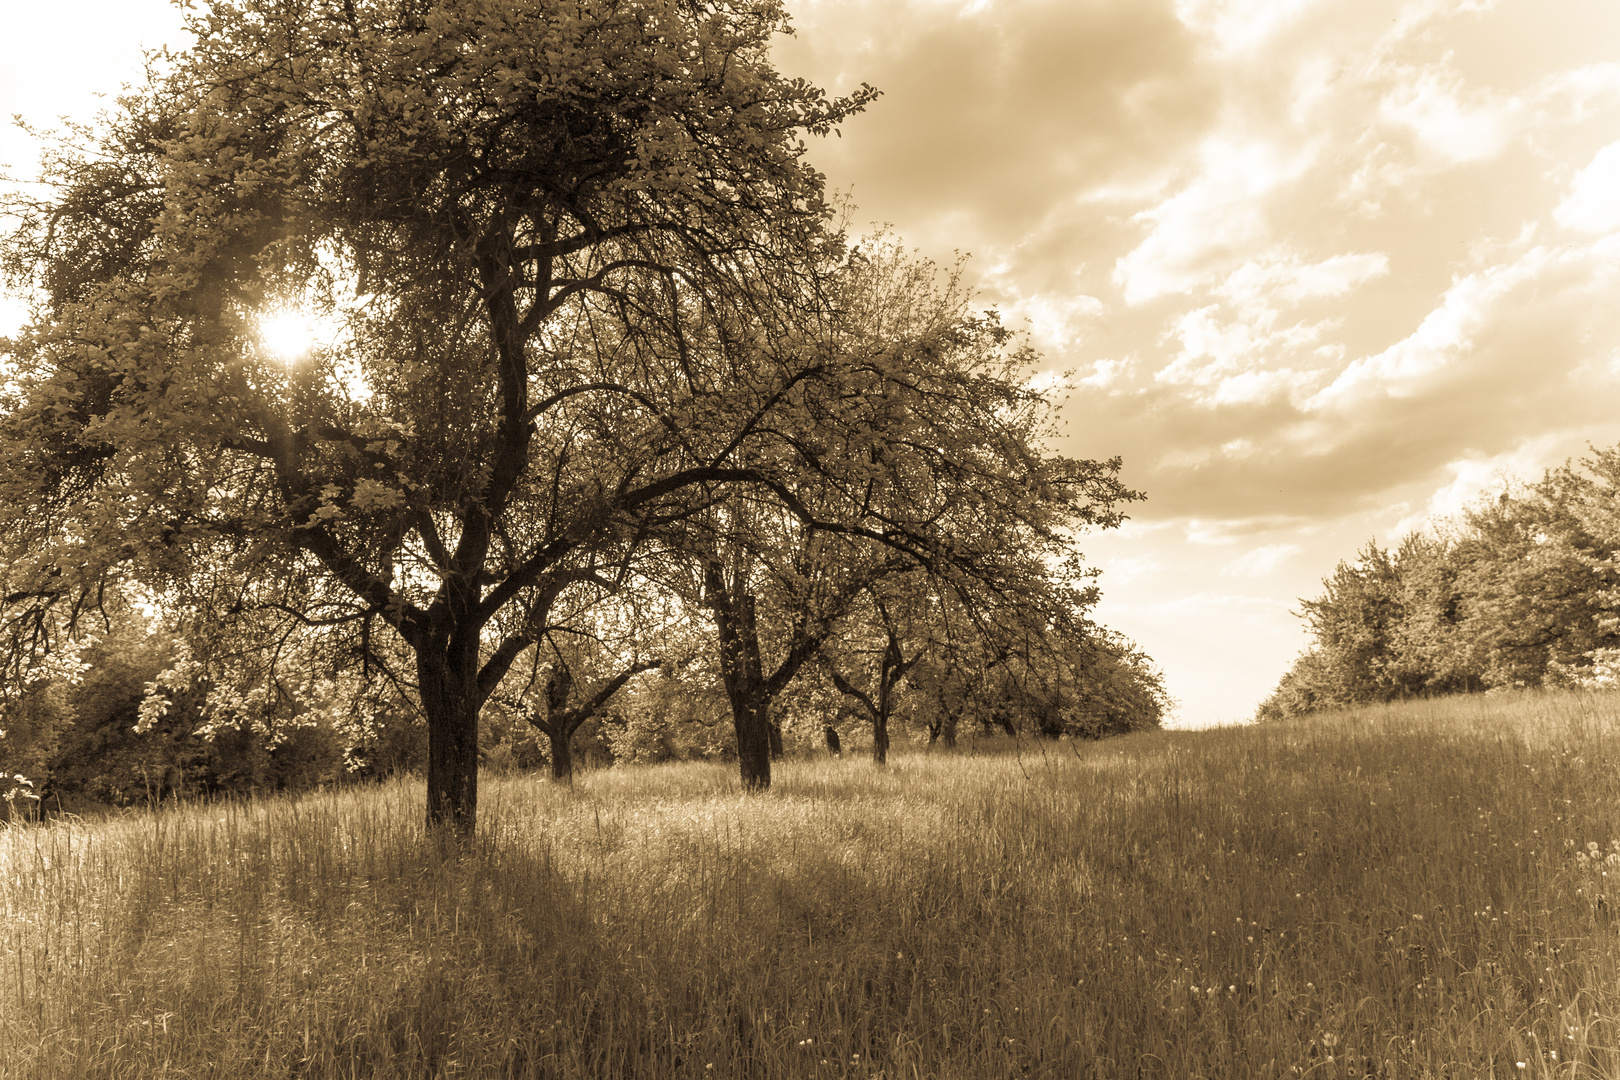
<point x="1532" y="578"/>
<point x="676" y="712"/>
<point x="1307" y="686"/>
<point x="1432" y="652"/>
<point x="874" y="655"/>
<point x="776" y="590"/>
<point x="1520" y="591"/>
<point x="1355" y="621"/>
<point x="1359" y="626"/>
<point x="1108" y="686"/>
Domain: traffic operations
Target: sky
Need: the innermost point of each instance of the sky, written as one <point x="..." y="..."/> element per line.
<point x="1319" y="271"/>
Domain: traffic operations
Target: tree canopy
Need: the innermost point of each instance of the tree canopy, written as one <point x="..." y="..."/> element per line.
<point x="1519" y="591"/>
<point x="577" y="301"/>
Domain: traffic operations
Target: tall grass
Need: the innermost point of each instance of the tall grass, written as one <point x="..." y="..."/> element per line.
<point x="1389" y="893"/>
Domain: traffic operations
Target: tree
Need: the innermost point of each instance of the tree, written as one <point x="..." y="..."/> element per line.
<point x="1518" y="592"/>
<point x="929" y="466"/>
<point x="883" y="655"/>
<point x="805" y="579"/>
<point x="1532" y="579"/>
<point x="588" y="654"/>
<point x="523" y="226"/>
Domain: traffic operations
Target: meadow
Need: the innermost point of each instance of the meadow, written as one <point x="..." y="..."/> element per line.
<point x="1413" y="891"/>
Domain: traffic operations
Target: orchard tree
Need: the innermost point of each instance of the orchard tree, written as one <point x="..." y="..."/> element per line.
<point x="927" y="462"/>
<point x="1533" y="579"/>
<point x="600" y="634"/>
<point x="520" y="233"/>
<point x="775" y="588"/>
<point x="868" y="667"/>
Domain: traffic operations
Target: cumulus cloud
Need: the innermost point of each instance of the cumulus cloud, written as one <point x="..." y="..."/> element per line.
<point x="1593" y="203"/>
<point x="1522" y="324"/>
<point x="1242" y="26"/>
<point x="1472" y="477"/>
<point x="1291" y="280"/>
<point x="1262" y="561"/>
<point x="1433" y="106"/>
<point x="1213" y="223"/>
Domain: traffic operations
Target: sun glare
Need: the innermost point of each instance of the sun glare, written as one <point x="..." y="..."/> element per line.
<point x="287" y="334"/>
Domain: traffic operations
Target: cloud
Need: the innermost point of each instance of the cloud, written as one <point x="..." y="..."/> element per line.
<point x="1262" y="561"/>
<point x="994" y="114"/>
<point x="1475" y="476"/>
<point x="1213" y="223"/>
<point x="1124" y="571"/>
<point x="1593" y="203"/>
<point x="1431" y="106"/>
<point x="1242" y="26"/>
<point x="1480" y="323"/>
<point x="1291" y="280"/>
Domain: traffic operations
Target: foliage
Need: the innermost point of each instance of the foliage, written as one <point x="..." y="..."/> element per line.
<point x="584" y="326"/>
<point x="1519" y="592"/>
<point x="500" y="212"/>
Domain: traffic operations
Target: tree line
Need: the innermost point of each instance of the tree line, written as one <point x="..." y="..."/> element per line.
<point x="1519" y="591"/>
<point x="604" y="399"/>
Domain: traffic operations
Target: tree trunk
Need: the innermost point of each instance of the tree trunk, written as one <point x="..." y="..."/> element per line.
<point x="749" y="707"/>
<point x="562" y="755"/>
<point x="775" y="731"/>
<point x="742" y="673"/>
<point x="556" y="727"/>
<point x="450" y="700"/>
<point x="880" y="738"/>
<point x="753" y="744"/>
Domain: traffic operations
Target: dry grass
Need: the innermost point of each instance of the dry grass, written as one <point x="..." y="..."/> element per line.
<point x="1387" y="893"/>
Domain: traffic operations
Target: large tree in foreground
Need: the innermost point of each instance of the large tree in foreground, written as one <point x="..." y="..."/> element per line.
<point x="574" y="294"/>
<point x="520" y="228"/>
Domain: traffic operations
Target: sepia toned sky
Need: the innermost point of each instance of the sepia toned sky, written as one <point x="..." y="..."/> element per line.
<point x="1318" y="268"/>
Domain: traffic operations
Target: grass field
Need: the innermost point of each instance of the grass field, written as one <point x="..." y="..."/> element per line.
<point x="1391" y="893"/>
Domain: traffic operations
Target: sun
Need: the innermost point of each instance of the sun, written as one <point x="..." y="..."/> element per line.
<point x="287" y="334"/>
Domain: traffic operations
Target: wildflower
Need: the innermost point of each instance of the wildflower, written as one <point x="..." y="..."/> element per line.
<point x="1330" y="1040"/>
<point x="1591" y="845"/>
